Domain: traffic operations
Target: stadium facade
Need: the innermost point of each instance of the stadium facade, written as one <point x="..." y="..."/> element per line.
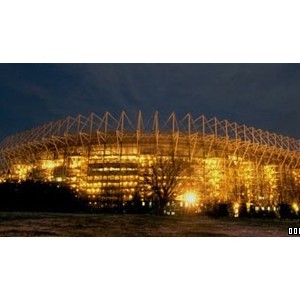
<point x="105" y="157"/>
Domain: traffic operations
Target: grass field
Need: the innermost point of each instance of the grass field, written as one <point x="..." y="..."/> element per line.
<point x="64" y="225"/>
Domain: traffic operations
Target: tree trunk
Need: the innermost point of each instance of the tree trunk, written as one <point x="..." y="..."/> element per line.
<point x="161" y="206"/>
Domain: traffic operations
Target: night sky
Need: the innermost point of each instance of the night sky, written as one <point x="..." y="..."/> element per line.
<point x="264" y="96"/>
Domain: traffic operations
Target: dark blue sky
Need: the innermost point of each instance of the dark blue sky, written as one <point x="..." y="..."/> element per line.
<point x="265" y="96"/>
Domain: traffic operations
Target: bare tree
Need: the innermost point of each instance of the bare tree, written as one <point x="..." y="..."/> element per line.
<point x="163" y="176"/>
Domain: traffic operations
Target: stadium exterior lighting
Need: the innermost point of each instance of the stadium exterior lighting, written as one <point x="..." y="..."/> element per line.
<point x="106" y="156"/>
<point x="190" y="198"/>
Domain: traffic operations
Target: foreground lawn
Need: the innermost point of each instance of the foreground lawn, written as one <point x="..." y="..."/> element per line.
<point x="57" y="224"/>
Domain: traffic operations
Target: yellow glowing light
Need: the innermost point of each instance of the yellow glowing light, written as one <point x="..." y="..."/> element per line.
<point x="295" y="207"/>
<point x="48" y="164"/>
<point x="236" y="210"/>
<point x="190" y="198"/>
<point x="236" y="205"/>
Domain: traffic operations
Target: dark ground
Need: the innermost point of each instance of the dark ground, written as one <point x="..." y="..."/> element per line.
<point x="20" y="224"/>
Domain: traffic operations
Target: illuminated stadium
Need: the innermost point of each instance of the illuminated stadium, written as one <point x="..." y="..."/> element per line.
<point x="107" y="157"/>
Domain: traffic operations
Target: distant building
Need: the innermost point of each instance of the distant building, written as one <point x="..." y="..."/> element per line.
<point x="105" y="158"/>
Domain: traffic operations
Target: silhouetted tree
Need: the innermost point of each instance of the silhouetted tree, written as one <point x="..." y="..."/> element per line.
<point x="163" y="177"/>
<point x="39" y="196"/>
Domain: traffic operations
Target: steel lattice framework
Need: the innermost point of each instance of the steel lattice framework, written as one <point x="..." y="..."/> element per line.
<point x="99" y="154"/>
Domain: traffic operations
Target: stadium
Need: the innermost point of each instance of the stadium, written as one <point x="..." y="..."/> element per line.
<point x="107" y="157"/>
